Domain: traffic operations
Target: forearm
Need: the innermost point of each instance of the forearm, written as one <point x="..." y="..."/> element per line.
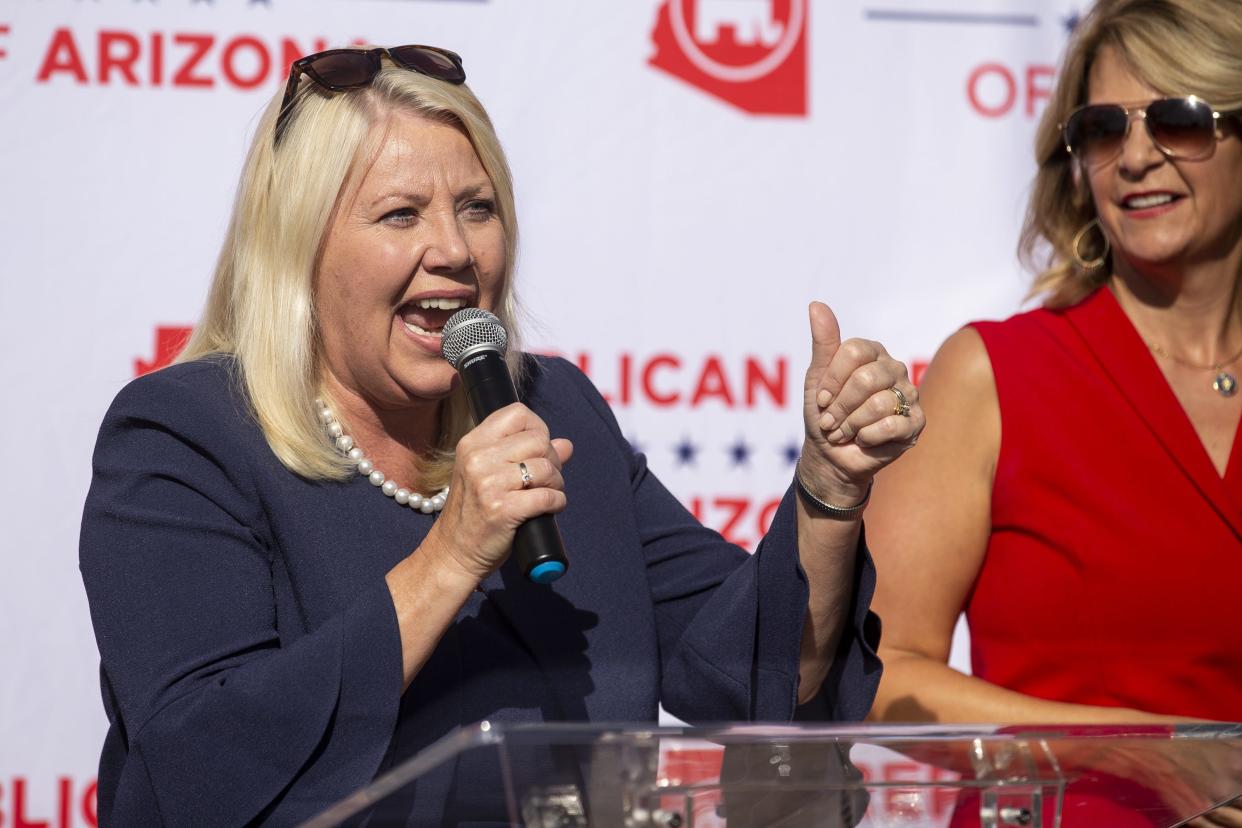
<point x="827" y="549"/>
<point x="860" y="412"/>
<point x="918" y="688"/>
<point x="428" y="591"/>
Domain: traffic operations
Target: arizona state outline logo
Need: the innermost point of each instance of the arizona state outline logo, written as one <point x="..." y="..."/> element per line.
<point x="749" y="53"/>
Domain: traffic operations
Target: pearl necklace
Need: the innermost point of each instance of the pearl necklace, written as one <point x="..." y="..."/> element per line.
<point x="404" y="497"/>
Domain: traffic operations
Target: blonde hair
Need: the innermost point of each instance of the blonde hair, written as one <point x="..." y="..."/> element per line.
<point x="1178" y="47"/>
<point x="260" y="308"/>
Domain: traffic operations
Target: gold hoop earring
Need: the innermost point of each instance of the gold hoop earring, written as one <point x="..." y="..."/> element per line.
<point x="1089" y="265"/>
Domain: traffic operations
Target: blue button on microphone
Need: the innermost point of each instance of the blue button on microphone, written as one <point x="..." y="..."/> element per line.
<point x="547" y="572"/>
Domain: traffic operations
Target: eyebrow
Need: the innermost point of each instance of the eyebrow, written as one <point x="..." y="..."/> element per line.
<point x="472" y="191"/>
<point x="399" y="196"/>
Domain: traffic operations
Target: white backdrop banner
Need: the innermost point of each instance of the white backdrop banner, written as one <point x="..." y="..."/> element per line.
<point x="690" y="174"/>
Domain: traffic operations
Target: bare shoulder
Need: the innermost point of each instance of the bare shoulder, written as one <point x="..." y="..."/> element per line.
<point x="955" y="459"/>
<point x="930" y="515"/>
<point x="958" y="393"/>
<point x="961" y="366"/>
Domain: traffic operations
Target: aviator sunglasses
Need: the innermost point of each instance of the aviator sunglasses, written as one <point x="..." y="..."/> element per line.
<point x="1181" y="128"/>
<point x="338" y="69"/>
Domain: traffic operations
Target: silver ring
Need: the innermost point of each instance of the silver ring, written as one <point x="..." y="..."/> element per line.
<point x="526" y="475"/>
<point x="902" y="408"/>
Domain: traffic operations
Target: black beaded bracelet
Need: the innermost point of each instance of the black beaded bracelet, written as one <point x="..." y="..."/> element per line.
<point x="836" y="512"/>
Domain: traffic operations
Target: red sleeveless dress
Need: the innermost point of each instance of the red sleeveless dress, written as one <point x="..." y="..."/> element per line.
<point x="1113" y="574"/>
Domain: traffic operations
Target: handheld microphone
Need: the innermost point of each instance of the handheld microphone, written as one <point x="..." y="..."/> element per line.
<point x="474" y="343"/>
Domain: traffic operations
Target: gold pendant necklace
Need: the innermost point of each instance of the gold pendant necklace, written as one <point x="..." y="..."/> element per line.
<point x="1224" y="383"/>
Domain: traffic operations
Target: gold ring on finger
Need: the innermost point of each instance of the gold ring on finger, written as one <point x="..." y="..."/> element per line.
<point x="902" y="408"/>
<point x="526" y="475"/>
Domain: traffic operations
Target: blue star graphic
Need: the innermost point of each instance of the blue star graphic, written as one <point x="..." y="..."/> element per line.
<point x="685" y="451"/>
<point x="791" y="451"/>
<point x="739" y="452"/>
<point x="1071" y="21"/>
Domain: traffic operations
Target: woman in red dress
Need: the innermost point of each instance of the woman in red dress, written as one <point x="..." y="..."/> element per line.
<point x="1078" y="489"/>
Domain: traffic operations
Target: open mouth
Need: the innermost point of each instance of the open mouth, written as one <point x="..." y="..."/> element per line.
<point x="427" y="316"/>
<point x="1146" y="201"/>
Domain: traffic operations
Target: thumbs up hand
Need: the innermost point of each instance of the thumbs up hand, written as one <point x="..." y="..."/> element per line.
<point x="860" y="409"/>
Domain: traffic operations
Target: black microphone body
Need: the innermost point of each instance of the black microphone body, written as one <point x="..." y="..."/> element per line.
<point x="537" y="546"/>
<point x="487" y="381"/>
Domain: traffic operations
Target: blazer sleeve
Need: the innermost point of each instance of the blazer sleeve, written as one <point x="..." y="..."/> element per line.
<point x="729" y="623"/>
<point x="217" y="718"/>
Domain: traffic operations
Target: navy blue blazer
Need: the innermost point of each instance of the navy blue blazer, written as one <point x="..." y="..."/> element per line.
<point x="250" y="657"/>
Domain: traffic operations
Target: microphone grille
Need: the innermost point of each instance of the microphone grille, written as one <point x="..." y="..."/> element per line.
<point x="470" y="328"/>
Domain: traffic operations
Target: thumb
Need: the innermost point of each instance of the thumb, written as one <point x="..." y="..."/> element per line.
<point x="825" y="337"/>
<point x="563" y="448"/>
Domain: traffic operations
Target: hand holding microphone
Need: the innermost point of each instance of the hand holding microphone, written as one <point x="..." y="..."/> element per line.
<point x="507" y="481"/>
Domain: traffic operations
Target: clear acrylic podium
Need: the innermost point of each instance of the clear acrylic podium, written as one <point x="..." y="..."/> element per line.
<point x="564" y="776"/>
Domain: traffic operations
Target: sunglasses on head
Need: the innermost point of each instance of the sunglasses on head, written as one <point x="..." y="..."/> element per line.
<point x="338" y="69"/>
<point x="1182" y="128"/>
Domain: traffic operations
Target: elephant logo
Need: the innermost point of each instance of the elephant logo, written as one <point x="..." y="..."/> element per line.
<point x="749" y="53"/>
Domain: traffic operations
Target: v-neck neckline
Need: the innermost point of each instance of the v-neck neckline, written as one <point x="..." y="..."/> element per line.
<point x="1125" y="359"/>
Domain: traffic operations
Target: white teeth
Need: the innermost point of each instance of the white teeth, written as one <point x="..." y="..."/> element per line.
<point x="1143" y="202"/>
<point x="442" y="304"/>
<point x="410" y="326"/>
